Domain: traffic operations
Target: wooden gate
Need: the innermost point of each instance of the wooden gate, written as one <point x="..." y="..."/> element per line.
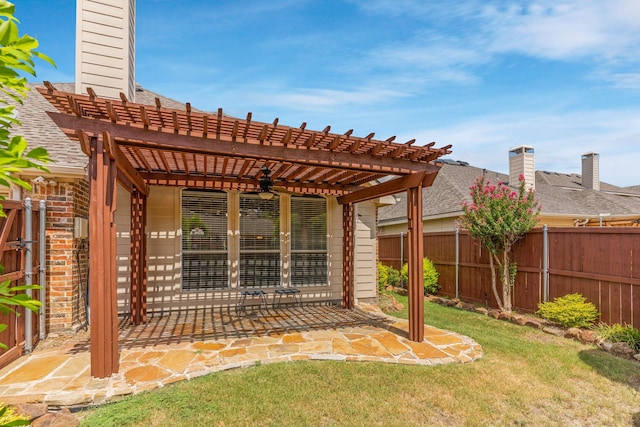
<point x="13" y="257"/>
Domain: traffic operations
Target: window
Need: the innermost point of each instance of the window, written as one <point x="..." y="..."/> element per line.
<point x="210" y="253"/>
<point x="204" y="241"/>
<point x="259" y="241"/>
<point x="309" y="255"/>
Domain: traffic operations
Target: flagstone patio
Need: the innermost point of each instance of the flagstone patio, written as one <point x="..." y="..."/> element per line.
<point x="185" y="345"/>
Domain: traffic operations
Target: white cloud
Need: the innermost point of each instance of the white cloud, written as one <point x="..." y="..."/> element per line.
<point x="559" y="141"/>
<point x="567" y="29"/>
<point x="622" y="80"/>
<point x="599" y="34"/>
<point x="323" y="99"/>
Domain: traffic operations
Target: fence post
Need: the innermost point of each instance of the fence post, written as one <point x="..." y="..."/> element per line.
<point x="28" y="272"/>
<point x="545" y="263"/>
<point x="42" y="242"/>
<point x="401" y="250"/>
<point x="457" y="261"/>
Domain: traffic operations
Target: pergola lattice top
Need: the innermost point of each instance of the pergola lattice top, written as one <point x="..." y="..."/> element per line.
<point x="163" y="146"/>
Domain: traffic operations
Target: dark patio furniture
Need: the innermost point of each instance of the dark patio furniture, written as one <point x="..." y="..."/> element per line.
<point x="287" y="292"/>
<point x="253" y="293"/>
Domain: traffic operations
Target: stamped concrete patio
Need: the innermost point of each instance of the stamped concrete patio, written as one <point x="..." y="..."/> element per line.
<point x="185" y="345"/>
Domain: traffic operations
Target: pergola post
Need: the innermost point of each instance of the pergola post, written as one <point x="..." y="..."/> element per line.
<point x="416" y="273"/>
<point x="138" y="302"/>
<point x="348" y="246"/>
<point x="102" y="258"/>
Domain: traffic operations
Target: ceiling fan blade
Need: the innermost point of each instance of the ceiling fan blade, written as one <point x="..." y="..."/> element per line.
<point x="284" y="190"/>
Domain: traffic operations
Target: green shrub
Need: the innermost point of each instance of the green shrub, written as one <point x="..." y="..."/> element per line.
<point x="572" y="311"/>
<point x="387" y="276"/>
<point x="383" y="274"/>
<point x="619" y="333"/>
<point x="431" y="275"/>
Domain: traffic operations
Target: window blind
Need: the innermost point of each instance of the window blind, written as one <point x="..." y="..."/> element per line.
<point x="309" y="254"/>
<point x="259" y="241"/>
<point x="204" y="241"/>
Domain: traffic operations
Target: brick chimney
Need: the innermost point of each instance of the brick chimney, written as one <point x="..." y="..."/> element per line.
<point x="105" y="47"/>
<point x="591" y="171"/>
<point x="521" y="162"/>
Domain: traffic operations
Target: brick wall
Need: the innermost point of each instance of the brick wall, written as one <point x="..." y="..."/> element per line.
<point x="67" y="257"/>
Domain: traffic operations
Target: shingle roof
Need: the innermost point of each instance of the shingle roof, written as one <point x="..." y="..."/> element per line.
<point x="557" y="193"/>
<point x="41" y="131"/>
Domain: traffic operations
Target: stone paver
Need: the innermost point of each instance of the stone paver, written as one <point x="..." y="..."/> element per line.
<point x="61" y="376"/>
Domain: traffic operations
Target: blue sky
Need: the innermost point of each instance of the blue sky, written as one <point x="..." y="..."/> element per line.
<point x="484" y="76"/>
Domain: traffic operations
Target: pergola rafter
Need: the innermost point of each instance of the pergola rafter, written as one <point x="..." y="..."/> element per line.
<point x="143" y="145"/>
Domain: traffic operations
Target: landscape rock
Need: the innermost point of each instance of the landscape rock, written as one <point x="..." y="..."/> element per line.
<point x="481" y="310"/>
<point x="493" y="313"/>
<point x="637" y="357"/>
<point x="401" y="291"/>
<point x="606" y="346"/>
<point x="622" y="349"/>
<point x="503" y="315"/>
<point x="31" y="410"/>
<point x="466" y="306"/>
<point x="62" y="418"/>
<point x="588" y="337"/>
<point x="573" y="333"/>
<point x="533" y="323"/>
<point x="554" y="330"/>
<point x="519" y="320"/>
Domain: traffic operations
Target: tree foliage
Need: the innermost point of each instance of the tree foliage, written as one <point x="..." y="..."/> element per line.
<point x="17" y="54"/>
<point x="497" y="217"/>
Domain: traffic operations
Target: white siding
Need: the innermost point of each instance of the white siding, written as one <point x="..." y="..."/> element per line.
<point x="105" y="47"/>
<point x="365" y="251"/>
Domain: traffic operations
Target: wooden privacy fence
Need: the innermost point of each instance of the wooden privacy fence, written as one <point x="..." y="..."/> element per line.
<point x="603" y="264"/>
<point x="21" y="232"/>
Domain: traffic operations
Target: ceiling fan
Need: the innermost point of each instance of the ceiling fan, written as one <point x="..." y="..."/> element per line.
<point x="267" y="188"/>
<point x="266" y="184"/>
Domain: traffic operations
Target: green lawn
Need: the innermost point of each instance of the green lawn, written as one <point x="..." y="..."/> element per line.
<point x="526" y="377"/>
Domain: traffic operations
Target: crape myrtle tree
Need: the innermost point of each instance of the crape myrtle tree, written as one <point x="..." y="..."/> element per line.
<point x="17" y="54"/>
<point x="497" y="217"/>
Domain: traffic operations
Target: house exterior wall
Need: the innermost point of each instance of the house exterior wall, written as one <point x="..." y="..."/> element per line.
<point x="164" y="253"/>
<point x="66" y="255"/>
<point x="429" y="226"/>
<point x="449" y="224"/>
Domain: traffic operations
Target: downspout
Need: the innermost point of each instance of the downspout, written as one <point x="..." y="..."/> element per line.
<point x="43" y="269"/>
<point x="28" y="273"/>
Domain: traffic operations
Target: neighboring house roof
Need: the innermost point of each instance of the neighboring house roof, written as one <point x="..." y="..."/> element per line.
<point x="557" y="193"/>
<point x="41" y="131"/>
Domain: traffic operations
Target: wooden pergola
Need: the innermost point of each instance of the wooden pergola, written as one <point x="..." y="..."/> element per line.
<point x="140" y="145"/>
